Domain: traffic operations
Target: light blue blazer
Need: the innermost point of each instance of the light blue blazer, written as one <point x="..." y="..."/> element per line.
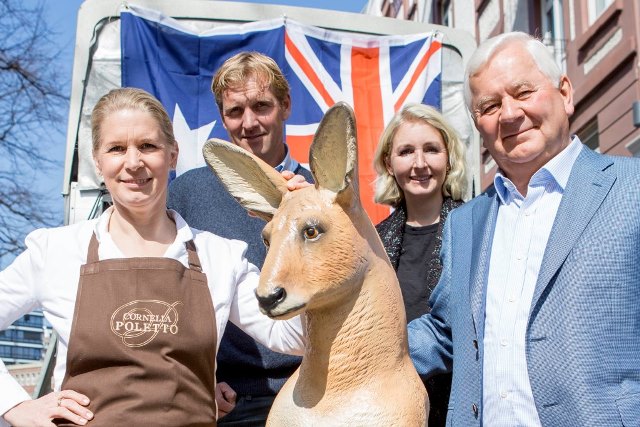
<point x="583" y="333"/>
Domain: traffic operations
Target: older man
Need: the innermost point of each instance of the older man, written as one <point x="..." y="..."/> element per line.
<point x="253" y="97"/>
<point x="537" y="308"/>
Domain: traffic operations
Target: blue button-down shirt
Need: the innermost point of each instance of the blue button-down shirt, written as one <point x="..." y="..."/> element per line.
<point x="521" y="234"/>
<point x="289" y="163"/>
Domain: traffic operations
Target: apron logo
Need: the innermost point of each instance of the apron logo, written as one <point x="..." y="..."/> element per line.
<point x="138" y="322"/>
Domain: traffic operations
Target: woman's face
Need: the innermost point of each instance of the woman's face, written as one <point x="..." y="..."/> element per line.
<point x="134" y="159"/>
<point x="418" y="161"/>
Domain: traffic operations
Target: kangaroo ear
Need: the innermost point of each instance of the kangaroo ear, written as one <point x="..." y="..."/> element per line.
<point x="333" y="156"/>
<point x="253" y="183"/>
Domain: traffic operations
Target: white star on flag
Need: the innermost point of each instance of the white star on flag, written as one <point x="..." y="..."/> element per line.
<point x="190" y="142"/>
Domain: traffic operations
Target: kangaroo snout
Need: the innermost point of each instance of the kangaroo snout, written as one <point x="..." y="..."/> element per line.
<point x="271" y="301"/>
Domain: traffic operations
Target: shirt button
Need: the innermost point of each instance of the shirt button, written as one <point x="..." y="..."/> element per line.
<point x="503" y="343"/>
<point x="474" y="408"/>
<point x="503" y="394"/>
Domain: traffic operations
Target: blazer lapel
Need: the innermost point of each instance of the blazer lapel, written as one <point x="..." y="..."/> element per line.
<point x="588" y="185"/>
<point x="484" y="217"/>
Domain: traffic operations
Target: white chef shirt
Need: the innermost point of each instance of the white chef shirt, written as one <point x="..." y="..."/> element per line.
<point x="46" y="276"/>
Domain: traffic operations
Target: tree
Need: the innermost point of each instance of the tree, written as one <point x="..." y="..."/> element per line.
<point x="32" y="107"/>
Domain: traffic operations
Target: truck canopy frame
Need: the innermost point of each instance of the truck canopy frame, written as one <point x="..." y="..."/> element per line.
<point x="96" y="70"/>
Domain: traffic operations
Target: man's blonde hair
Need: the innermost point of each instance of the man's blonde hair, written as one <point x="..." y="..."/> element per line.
<point x="237" y="69"/>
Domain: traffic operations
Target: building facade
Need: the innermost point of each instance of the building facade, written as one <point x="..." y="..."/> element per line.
<point x="596" y="43"/>
<point x="27" y="375"/>
<point x="25" y="341"/>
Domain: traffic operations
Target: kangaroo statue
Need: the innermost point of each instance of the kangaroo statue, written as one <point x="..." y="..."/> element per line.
<point x="325" y="260"/>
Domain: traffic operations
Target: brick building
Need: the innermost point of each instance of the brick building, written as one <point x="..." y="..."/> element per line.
<point x="596" y="41"/>
<point x="26" y="374"/>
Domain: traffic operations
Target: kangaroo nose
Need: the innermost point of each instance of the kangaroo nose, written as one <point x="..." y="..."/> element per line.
<point x="272" y="300"/>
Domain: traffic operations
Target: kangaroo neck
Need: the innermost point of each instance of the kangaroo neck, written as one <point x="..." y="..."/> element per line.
<point x="358" y="338"/>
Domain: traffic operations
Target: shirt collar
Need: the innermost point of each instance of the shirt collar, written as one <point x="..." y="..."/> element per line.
<point x="557" y="169"/>
<point x="560" y="166"/>
<point x="184" y="232"/>
<point x="289" y="163"/>
<point x="504" y="187"/>
<point x="102" y="226"/>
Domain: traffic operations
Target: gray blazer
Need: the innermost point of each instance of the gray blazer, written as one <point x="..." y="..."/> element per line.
<point x="583" y="334"/>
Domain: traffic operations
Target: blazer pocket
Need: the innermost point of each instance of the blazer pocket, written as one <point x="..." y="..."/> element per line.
<point x="629" y="407"/>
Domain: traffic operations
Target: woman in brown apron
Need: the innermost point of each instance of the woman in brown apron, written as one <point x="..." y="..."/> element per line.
<point x="139" y="345"/>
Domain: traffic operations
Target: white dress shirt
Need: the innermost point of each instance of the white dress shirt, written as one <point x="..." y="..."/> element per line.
<point x="522" y="230"/>
<point x="46" y="275"/>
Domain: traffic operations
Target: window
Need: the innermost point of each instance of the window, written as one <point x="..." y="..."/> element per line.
<point x="400" y="9"/>
<point x="589" y="135"/>
<point x="596" y="8"/>
<point x="5" y="351"/>
<point x="10" y="352"/>
<point x="30" y="320"/>
<point x="24" y="336"/>
<point x="394" y="6"/>
<point x="444" y="13"/>
<point x="553" y="29"/>
<point x="26" y="353"/>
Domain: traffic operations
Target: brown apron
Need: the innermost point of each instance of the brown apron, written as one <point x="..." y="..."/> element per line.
<point x="143" y="342"/>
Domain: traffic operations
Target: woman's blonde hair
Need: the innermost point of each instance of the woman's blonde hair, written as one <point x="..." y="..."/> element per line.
<point x="128" y="98"/>
<point x="455" y="185"/>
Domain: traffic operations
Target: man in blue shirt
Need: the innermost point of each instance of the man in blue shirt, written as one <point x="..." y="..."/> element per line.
<point x="537" y="310"/>
<point x="253" y="97"/>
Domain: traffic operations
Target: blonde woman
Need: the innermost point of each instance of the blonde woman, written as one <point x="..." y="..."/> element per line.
<point x="420" y="162"/>
<point x="139" y="299"/>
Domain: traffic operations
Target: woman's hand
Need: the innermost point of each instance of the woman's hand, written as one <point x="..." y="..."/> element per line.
<point x="66" y="404"/>
<point x="225" y="398"/>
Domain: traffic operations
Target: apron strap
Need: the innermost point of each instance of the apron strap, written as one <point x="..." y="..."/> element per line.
<point x="92" y="252"/>
<point x="194" y="260"/>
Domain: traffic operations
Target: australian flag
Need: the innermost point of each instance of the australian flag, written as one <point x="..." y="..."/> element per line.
<point x="376" y="75"/>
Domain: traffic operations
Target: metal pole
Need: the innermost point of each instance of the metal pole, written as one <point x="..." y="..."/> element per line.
<point x="43" y="386"/>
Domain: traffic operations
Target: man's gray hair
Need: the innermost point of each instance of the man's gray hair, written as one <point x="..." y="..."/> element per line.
<point x="540" y="54"/>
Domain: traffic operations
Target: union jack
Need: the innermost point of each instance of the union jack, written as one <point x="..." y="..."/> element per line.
<point x="376" y="75"/>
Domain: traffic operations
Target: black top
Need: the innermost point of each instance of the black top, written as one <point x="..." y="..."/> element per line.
<point x="417" y="246"/>
<point x="425" y="269"/>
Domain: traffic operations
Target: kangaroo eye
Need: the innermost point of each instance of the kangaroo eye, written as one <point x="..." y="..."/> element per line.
<point x="266" y="243"/>
<point x="311" y="233"/>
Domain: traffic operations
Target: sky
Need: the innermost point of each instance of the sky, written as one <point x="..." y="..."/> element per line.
<point x="62" y="15"/>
